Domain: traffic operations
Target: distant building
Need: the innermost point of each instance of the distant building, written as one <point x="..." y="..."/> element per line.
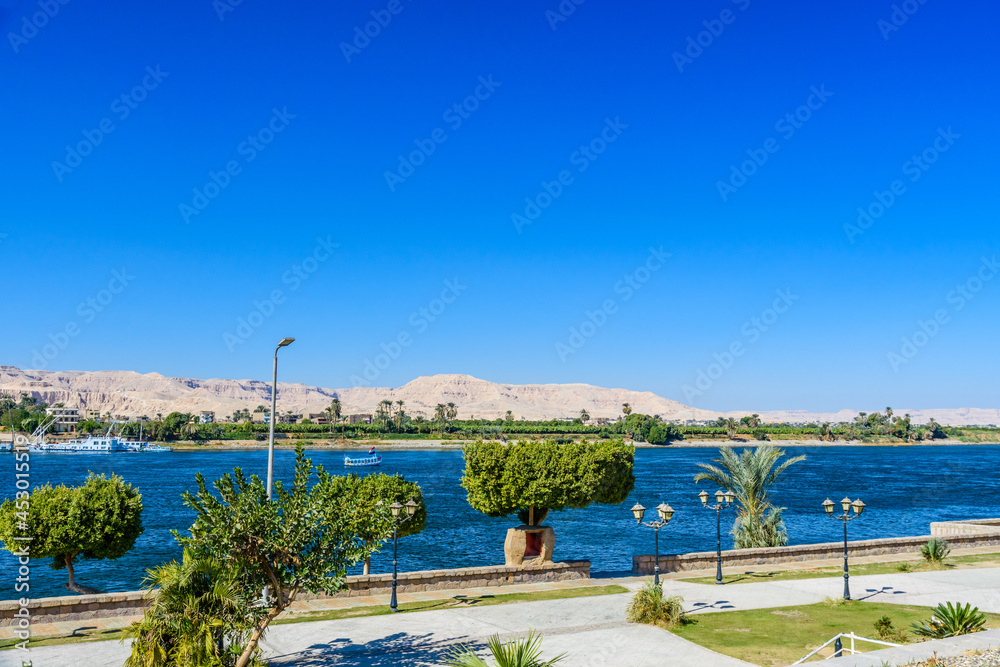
<point x="92" y="415"/>
<point x="601" y="421"/>
<point x="359" y="419"/>
<point x="66" y="419"/>
<point x="288" y="419"/>
<point x="260" y="417"/>
<point x="207" y="417"/>
<point x="318" y="418"/>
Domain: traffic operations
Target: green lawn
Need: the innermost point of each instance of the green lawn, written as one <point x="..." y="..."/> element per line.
<point x="895" y="567"/>
<point x="773" y="637"/>
<point x="458" y="601"/>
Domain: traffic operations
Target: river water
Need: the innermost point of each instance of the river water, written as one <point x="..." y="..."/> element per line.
<point x="905" y="489"/>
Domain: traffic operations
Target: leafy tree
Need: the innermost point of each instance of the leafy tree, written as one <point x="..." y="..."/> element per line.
<point x="584" y="416"/>
<point x="101" y="519"/>
<point x="626" y="409"/>
<point x="197" y="618"/>
<point x="303" y="540"/>
<point x="384" y="490"/>
<point x="532" y="478"/>
<point x="750" y="476"/>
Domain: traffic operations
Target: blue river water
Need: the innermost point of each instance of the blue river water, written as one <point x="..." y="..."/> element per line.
<point x="905" y="489"/>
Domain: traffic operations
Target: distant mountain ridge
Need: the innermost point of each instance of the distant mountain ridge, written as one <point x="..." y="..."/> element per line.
<point x="134" y="394"/>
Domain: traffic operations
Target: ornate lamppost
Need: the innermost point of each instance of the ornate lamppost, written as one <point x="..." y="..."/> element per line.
<point x="723" y="500"/>
<point x="846" y="505"/>
<point x="398" y="519"/>
<point x="664" y="511"/>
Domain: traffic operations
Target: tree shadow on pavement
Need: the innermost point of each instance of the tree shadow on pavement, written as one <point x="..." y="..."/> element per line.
<point x="401" y="649"/>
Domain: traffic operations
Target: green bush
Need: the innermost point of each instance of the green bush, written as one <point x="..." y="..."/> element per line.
<point x="649" y="606"/>
<point x="525" y="652"/>
<point x="950" y="621"/>
<point x="935" y="551"/>
<point x="887" y="632"/>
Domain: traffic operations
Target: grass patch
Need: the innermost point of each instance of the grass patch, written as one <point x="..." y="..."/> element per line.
<point x="458" y="601"/>
<point x="773" y="637"/>
<point x="858" y="569"/>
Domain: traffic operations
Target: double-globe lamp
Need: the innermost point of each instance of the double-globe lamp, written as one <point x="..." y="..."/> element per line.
<point x="665" y="512"/>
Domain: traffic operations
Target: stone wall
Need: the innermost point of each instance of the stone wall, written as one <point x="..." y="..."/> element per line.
<point x="81" y="607"/>
<point x="966" y="534"/>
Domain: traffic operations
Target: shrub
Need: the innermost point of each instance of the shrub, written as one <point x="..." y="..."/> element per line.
<point x="887" y="632"/>
<point x="524" y="652"/>
<point x="904" y="567"/>
<point x="649" y="606"/>
<point x="950" y="621"/>
<point x="935" y="551"/>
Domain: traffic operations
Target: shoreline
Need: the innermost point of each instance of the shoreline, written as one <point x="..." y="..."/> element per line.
<point x="446" y="445"/>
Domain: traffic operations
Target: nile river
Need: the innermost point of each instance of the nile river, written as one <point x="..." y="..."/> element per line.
<point x="905" y="489"/>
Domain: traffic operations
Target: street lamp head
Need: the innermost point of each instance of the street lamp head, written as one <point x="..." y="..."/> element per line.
<point x="720" y="497"/>
<point x="845" y="504"/>
<point x="704" y="497"/>
<point x="395" y="508"/>
<point x="637" y="511"/>
<point x="665" y="511"/>
<point x="730" y="497"/>
<point x="285" y="342"/>
<point x="828" y="506"/>
<point x="411" y="507"/>
<point x="858" y="506"/>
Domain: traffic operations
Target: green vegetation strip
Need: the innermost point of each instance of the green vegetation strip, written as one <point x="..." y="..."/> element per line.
<point x="456" y="602"/>
<point x="773" y="637"/>
<point x="859" y="569"/>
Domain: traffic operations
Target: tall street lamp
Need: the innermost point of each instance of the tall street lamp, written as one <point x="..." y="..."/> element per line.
<point x="665" y="511"/>
<point x="398" y="520"/>
<point x="846" y="505"/>
<point x="722" y="501"/>
<point x="285" y="342"/>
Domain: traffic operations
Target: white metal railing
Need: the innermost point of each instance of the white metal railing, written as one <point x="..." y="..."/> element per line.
<point x="851" y="649"/>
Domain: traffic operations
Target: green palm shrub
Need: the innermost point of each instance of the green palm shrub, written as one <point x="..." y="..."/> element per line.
<point x="524" y="652"/>
<point x="197" y="617"/>
<point x="649" y="606"/>
<point x="887" y="632"/>
<point x="950" y="621"/>
<point x="935" y="551"/>
<point x="750" y="476"/>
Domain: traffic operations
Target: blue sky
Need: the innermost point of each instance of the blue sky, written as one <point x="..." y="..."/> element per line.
<point x="267" y="147"/>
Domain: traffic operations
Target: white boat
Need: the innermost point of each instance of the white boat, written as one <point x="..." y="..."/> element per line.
<point x="98" y="443"/>
<point x="362" y="462"/>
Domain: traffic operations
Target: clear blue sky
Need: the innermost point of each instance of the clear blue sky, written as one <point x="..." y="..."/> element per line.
<point x="673" y="126"/>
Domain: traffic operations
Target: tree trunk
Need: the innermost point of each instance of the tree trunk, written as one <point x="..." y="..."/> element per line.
<point x="259" y="629"/>
<point x="368" y="566"/>
<point x="72" y="585"/>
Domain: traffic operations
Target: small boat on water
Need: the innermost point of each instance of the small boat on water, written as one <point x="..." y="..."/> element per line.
<point x="372" y="459"/>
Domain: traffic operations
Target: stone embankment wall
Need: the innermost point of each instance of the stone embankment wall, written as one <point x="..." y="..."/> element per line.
<point x="132" y="603"/>
<point x="959" y="534"/>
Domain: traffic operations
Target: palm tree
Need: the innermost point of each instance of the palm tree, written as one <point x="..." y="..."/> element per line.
<point x="732" y="426"/>
<point x="333" y="412"/>
<point x="524" y="652"/>
<point x="196" y="613"/>
<point x="509" y="416"/>
<point x="399" y="416"/>
<point x="584" y="416"/>
<point x="452" y="411"/>
<point x="626" y="409"/>
<point x="750" y="476"/>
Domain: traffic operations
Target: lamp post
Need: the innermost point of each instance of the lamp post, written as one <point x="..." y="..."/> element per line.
<point x="285" y="342"/>
<point x="723" y="500"/>
<point x="397" y="521"/>
<point x="846" y="505"/>
<point x="665" y="512"/>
